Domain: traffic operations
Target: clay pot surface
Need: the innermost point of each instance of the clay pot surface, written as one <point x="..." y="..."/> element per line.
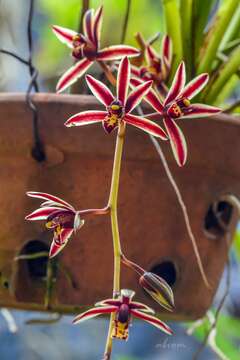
<point x="78" y="169"/>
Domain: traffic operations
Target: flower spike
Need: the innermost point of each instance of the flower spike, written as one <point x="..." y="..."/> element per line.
<point x="124" y="309"/>
<point x="177" y="105"/>
<point x="117" y="109"/>
<point x="85" y="47"/>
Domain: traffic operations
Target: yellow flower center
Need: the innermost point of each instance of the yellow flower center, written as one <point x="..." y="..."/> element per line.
<point x="115" y="107"/>
<point x="76" y="38"/>
<point x="120" y="330"/>
<point x="49" y="224"/>
<point x="112" y="120"/>
<point x="176" y="110"/>
<point x="186" y="102"/>
<point x="58" y="230"/>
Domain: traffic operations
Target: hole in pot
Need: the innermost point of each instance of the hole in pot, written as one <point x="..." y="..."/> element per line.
<point x="37" y="267"/>
<point x="218" y="218"/>
<point x="3" y="281"/>
<point x="167" y="270"/>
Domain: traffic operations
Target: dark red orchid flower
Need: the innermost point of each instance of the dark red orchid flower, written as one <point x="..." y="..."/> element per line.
<point x="86" y="47"/>
<point x="157" y="67"/>
<point x="124" y="309"/>
<point x="118" y="108"/>
<point x="177" y="105"/>
<point x="60" y="217"/>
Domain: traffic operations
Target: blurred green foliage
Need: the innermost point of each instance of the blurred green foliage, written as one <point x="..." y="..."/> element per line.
<point x="236" y="244"/>
<point x="146" y="16"/>
<point x="228" y="335"/>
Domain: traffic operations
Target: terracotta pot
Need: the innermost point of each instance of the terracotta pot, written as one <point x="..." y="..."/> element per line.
<point x="78" y="169"/>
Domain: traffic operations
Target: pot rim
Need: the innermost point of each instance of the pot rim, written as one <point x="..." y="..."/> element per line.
<point x="42" y="97"/>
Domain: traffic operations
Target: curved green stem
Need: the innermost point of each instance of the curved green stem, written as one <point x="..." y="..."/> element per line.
<point x="112" y="205"/>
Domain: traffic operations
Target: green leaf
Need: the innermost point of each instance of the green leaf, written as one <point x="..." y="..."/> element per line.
<point x="214" y="37"/>
<point x="233" y="30"/>
<point x="173" y="29"/>
<point x="224" y="74"/>
<point x="186" y="30"/>
<point x="200" y="16"/>
<point x="228" y="335"/>
<point x="226" y="92"/>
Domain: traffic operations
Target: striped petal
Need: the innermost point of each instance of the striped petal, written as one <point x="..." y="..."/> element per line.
<point x="57" y="247"/>
<point x="53" y="204"/>
<point x="167" y="50"/>
<point x="151" y="54"/>
<point x="177" y="141"/>
<point x="97" y="26"/>
<point x="43" y="213"/>
<point x="151" y="96"/>
<point x="99" y="90"/>
<point x="136" y="95"/>
<point x="88" y="25"/>
<point x="139" y="306"/>
<point x="64" y="35"/>
<point x="123" y="78"/>
<point x="86" y="118"/>
<point x="200" y="110"/>
<point x="135" y="82"/>
<point x="135" y="71"/>
<point x="177" y="84"/>
<point x="117" y="52"/>
<point x="112" y="302"/>
<point x="194" y="86"/>
<point x="146" y="125"/>
<point x="153" y="321"/>
<point x="94" y="312"/>
<point x="153" y="100"/>
<point x="73" y="74"/>
<point x="46" y="196"/>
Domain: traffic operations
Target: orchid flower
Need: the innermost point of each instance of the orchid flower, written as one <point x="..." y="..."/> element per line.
<point x="118" y="108"/>
<point x="60" y="217"/>
<point x="177" y="105"/>
<point x="85" y="47"/>
<point x="124" y="309"/>
<point x="158" y="67"/>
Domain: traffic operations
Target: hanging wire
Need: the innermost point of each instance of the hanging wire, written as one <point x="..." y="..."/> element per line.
<point x="17" y="57"/>
<point x="181" y="202"/>
<point x="38" y="148"/>
<point x="38" y="152"/>
<point x="218" y="309"/>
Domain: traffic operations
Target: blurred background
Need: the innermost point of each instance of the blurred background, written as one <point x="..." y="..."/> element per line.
<point x="60" y="340"/>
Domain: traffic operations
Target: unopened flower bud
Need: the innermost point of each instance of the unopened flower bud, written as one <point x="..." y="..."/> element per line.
<point x="159" y="289"/>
